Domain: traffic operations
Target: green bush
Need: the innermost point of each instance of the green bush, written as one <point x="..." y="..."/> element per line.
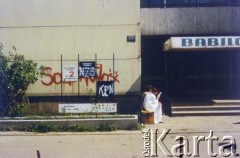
<point x="107" y="127"/>
<point x="16" y="74"/>
<point x="42" y="127"/>
<point x="73" y="128"/>
<point x="7" y="129"/>
<point x="20" y="109"/>
<point x="133" y="126"/>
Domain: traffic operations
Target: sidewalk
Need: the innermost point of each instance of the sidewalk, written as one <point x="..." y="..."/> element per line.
<point x="121" y="144"/>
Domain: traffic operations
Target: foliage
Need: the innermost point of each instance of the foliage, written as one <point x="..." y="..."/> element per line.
<point x="74" y="128"/>
<point x="16" y="74"/>
<point x="93" y="100"/>
<point x="133" y="127"/>
<point x="92" y="95"/>
<point x="107" y="127"/>
<point x="7" y="129"/>
<point x="44" y="127"/>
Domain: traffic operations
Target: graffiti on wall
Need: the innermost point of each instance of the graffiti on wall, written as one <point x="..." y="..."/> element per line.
<point x="105" y="89"/>
<point x="50" y="78"/>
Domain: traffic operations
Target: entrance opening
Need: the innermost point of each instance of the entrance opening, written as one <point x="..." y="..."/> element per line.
<point x="206" y="74"/>
<point x="202" y="74"/>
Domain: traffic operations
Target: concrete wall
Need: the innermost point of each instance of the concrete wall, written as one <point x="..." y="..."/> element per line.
<point x="42" y="30"/>
<point x="179" y="21"/>
<point x="124" y="123"/>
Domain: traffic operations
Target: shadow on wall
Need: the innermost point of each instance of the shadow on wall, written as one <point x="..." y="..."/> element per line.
<point x="136" y="87"/>
<point x="130" y="102"/>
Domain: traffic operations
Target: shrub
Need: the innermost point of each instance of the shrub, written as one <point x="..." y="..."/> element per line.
<point x="107" y="127"/>
<point x="40" y="127"/>
<point x="44" y="127"/>
<point x="133" y="126"/>
<point x="16" y="74"/>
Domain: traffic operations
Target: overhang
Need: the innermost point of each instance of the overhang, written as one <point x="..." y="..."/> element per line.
<point x="202" y="42"/>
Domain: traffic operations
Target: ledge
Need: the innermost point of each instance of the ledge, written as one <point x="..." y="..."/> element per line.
<point x="120" y="123"/>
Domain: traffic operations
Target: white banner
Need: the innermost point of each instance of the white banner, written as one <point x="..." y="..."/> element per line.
<point x="204" y="42"/>
<point x="70" y="73"/>
<point x="88" y="108"/>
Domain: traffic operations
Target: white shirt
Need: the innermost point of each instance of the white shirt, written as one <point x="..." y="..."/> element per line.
<point x="150" y="102"/>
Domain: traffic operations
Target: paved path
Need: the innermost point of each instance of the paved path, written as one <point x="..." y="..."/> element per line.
<point x="122" y="144"/>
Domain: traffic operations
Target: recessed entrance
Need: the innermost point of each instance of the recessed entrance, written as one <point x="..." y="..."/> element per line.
<point x="191" y="73"/>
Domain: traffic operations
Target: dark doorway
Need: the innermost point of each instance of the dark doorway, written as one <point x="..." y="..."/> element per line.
<point x="191" y="74"/>
<point x="153" y="65"/>
<point x="202" y="73"/>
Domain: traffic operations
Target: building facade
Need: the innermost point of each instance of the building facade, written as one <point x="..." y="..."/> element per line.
<point x="63" y="33"/>
<point x="128" y="40"/>
<point x="188" y="72"/>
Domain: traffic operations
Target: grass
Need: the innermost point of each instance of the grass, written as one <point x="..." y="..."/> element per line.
<point x="83" y="116"/>
<point x="44" y="127"/>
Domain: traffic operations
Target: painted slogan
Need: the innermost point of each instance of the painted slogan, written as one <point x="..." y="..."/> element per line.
<point x="105" y="89"/>
<point x="54" y="78"/>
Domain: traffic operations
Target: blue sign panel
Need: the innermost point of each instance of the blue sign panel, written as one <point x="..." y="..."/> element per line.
<point x="105" y="89"/>
<point x="131" y="38"/>
<point x="87" y="69"/>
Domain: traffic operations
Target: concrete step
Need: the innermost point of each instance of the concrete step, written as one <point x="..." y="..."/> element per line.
<point x="207" y="113"/>
<point x="226" y="102"/>
<point x="214" y="108"/>
<point x="209" y="110"/>
<point x="206" y="108"/>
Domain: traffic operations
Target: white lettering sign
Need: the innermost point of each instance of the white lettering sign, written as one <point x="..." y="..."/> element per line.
<point x="205" y="42"/>
<point x="88" y="107"/>
<point x="70" y="73"/>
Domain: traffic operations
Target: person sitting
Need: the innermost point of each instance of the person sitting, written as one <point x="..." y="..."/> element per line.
<point x="151" y="104"/>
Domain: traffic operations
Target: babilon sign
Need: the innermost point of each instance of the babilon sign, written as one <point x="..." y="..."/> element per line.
<point x="204" y="42"/>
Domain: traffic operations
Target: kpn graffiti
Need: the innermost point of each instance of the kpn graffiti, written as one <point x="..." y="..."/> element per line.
<point x="54" y="78"/>
<point x="155" y="144"/>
